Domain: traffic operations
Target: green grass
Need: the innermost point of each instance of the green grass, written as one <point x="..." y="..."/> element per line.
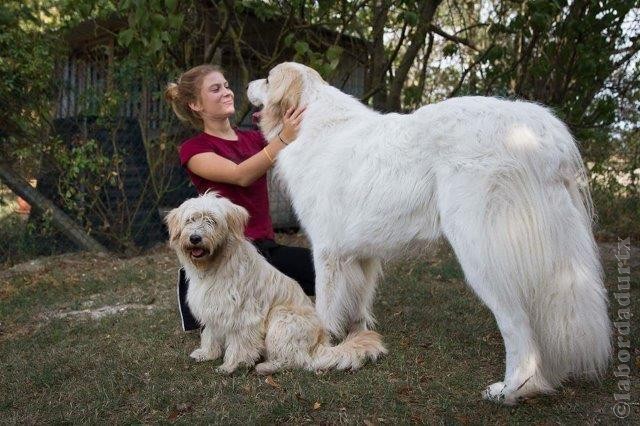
<point x="133" y="367"/>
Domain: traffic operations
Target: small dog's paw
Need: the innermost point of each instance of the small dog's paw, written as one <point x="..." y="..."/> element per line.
<point x="265" y="368"/>
<point x="201" y="355"/>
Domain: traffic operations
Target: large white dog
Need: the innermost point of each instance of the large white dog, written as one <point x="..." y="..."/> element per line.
<point x="249" y="309"/>
<point x="502" y="181"/>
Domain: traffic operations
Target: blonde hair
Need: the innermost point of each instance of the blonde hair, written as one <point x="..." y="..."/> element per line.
<point x="187" y="91"/>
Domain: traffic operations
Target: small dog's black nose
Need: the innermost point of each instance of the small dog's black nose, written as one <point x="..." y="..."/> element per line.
<point x="195" y="239"/>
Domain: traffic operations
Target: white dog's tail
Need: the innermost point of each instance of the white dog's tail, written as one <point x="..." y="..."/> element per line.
<point x="579" y="343"/>
<point x="545" y="258"/>
<point x="356" y="349"/>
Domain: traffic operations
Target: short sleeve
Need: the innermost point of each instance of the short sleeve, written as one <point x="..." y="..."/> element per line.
<point x="193" y="147"/>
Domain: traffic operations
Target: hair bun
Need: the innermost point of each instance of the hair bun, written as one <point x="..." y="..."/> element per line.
<point x="171" y="92"/>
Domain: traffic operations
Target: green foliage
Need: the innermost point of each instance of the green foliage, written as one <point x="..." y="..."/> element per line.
<point x="27" y="57"/>
<point x="563" y="54"/>
<point x="153" y="26"/>
<point x="449" y="49"/>
<point x="84" y="171"/>
<point x="324" y="62"/>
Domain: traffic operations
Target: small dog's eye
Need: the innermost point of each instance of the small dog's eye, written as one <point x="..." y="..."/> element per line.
<point x="266" y="80"/>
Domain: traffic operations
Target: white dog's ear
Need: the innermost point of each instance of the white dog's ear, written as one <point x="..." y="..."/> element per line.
<point x="286" y="89"/>
<point x="237" y="218"/>
<point x="172" y="219"/>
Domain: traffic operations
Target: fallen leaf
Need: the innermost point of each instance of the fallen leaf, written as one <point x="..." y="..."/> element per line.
<point x="405" y="390"/>
<point x="269" y="380"/>
<point x="302" y="399"/>
<point x="316" y="406"/>
<point x="416" y="418"/>
<point x="463" y="420"/>
<point x="180" y="409"/>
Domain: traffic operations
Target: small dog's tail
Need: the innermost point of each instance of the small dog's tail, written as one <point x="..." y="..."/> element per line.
<point x="356" y="349"/>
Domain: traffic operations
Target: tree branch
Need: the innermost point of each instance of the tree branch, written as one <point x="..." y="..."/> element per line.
<point x="59" y="218"/>
<point x="466" y="71"/>
<point x="417" y="41"/>
<point x="210" y="50"/>
<point x="453" y="38"/>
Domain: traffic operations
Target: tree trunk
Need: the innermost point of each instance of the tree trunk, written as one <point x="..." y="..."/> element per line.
<point x="60" y="219"/>
<point x="417" y="41"/>
<point x="378" y="61"/>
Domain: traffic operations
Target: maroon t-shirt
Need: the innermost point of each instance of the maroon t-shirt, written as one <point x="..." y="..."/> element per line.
<point x="254" y="197"/>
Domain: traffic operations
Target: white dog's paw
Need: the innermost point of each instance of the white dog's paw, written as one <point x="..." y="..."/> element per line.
<point x="201" y="355"/>
<point x="499" y="393"/>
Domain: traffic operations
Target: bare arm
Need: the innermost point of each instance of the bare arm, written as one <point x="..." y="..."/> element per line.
<point x="216" y="168"/>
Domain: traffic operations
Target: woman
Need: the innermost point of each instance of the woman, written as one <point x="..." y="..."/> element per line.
<point x="234" y="163"/>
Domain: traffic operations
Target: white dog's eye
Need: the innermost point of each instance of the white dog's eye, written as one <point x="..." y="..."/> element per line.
<point x="266" y="80"/>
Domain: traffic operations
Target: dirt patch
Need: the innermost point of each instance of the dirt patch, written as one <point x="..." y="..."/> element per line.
<point x="97" y="313"/>
<point x="79" y="262"/>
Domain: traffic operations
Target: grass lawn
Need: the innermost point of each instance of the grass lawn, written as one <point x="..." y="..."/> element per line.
<point x="89" y="339"/>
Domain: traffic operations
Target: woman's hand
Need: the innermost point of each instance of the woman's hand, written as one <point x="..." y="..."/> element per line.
<point x="292" y="119"/>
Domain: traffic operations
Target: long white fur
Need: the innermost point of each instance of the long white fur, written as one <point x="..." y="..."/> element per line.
<point x="503" y="181"/>
<point x="248" y="308"/>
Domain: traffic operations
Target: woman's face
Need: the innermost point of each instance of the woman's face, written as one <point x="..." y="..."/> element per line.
<point x="216" y="99"/>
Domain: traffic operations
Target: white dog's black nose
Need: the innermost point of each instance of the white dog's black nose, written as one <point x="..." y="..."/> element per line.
<point x="195" y="239"/>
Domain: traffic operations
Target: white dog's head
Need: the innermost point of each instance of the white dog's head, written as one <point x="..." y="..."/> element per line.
<point x="201" y="226"/>
<point x="284" y="88"/>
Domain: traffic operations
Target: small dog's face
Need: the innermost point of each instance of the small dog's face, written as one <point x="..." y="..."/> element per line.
<point x="200" y="226"/>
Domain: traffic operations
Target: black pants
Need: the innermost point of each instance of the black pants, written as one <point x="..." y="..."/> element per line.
<point x="294" y="262"/>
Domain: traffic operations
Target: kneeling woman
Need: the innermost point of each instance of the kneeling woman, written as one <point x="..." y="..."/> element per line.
<point x="234" y="163"/>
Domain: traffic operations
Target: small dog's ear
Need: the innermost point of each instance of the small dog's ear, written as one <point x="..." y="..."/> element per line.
<point x="237" y="218"/>
<point x="172" y="219"/>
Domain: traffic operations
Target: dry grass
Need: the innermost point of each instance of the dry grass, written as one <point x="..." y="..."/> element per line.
<point x="131" y="365"/>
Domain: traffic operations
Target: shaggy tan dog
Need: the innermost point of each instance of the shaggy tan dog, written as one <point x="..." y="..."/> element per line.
<point x="250" y="309"/>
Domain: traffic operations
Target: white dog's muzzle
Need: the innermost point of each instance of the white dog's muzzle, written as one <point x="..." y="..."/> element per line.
<point x="257" y="92"/>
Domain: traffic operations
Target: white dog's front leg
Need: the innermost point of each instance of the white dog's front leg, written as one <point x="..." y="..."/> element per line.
<point x="241" y="350"/>
<point x="344" y="292"/>
<point x="210" y="348"/>
<point x="325" y="268"/>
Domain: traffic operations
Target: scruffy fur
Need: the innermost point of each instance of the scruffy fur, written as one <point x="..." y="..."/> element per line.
<point x="248" y="308"/>
<point x="503" y="181"/>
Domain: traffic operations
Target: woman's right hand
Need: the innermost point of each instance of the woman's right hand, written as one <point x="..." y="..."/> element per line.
<point x="291" y="123"/>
